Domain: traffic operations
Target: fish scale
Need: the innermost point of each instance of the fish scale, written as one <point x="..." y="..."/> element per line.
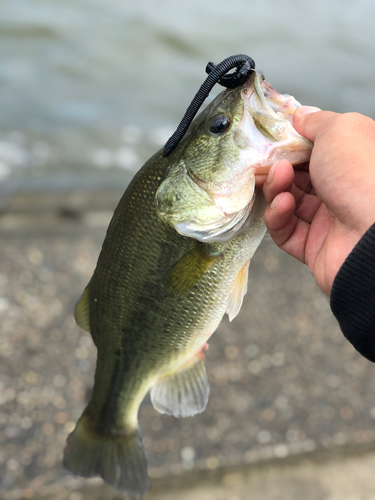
<point x="155" y="258"/>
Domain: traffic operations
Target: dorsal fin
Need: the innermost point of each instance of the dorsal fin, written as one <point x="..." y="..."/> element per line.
<point x="82" y="311"/>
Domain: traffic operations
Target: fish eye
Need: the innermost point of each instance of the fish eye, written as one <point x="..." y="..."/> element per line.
<point x="219" y="124"/>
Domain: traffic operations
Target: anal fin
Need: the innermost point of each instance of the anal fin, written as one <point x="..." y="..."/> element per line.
<point x="238" y="292"/>
<point x="183" y="393"/>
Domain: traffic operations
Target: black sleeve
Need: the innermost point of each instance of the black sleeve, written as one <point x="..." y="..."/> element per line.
<point x="353" y="296"/>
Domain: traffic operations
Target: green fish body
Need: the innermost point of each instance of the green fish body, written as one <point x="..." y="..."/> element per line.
<point x="174" y="260"/>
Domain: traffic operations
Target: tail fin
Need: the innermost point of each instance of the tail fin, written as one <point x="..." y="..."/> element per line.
<point x="119" y="460"/>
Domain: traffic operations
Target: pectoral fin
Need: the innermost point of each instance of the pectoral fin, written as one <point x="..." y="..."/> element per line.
<point x="82" y="311"/>
<point x="183" y="393"/>
<point x="238" y="292"/>
<point x="189" y="270"/>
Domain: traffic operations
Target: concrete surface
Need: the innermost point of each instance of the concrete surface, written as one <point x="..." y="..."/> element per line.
<point x="287" y="390"/>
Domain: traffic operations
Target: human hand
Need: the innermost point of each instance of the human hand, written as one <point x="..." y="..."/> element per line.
<point x="319" y="211"/>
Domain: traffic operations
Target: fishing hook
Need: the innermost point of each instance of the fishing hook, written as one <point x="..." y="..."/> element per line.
<point x="217" y="73"/>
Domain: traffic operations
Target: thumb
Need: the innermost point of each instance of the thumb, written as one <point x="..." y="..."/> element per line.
<point x="310" y="121"/>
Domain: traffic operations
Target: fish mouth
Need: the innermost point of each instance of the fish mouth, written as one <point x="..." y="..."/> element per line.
<point x="267" y="126"/>
<point x="265" y="134"/>
<point x="262" y="134"/>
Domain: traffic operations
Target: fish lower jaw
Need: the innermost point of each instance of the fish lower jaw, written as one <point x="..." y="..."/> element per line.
<point x="294" y="153"/>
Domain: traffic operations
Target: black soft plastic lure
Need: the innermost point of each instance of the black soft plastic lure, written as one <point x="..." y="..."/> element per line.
<point x="217" y="73"/>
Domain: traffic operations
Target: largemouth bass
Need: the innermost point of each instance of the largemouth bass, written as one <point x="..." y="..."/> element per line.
<point x="174" y="260"/>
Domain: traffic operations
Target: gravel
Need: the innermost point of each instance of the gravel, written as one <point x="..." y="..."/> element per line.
<point x="284" y="381"/>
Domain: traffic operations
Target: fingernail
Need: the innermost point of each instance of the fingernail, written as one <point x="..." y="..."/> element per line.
<point x="270" y="173"/>
<point x="276" y="200"/>
<point x="304" y="110"/>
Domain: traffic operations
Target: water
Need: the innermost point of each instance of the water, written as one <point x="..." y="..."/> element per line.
<point x="89" y="89"/>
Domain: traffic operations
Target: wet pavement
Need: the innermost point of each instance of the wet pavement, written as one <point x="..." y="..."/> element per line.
<point x="286" y="387"/>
